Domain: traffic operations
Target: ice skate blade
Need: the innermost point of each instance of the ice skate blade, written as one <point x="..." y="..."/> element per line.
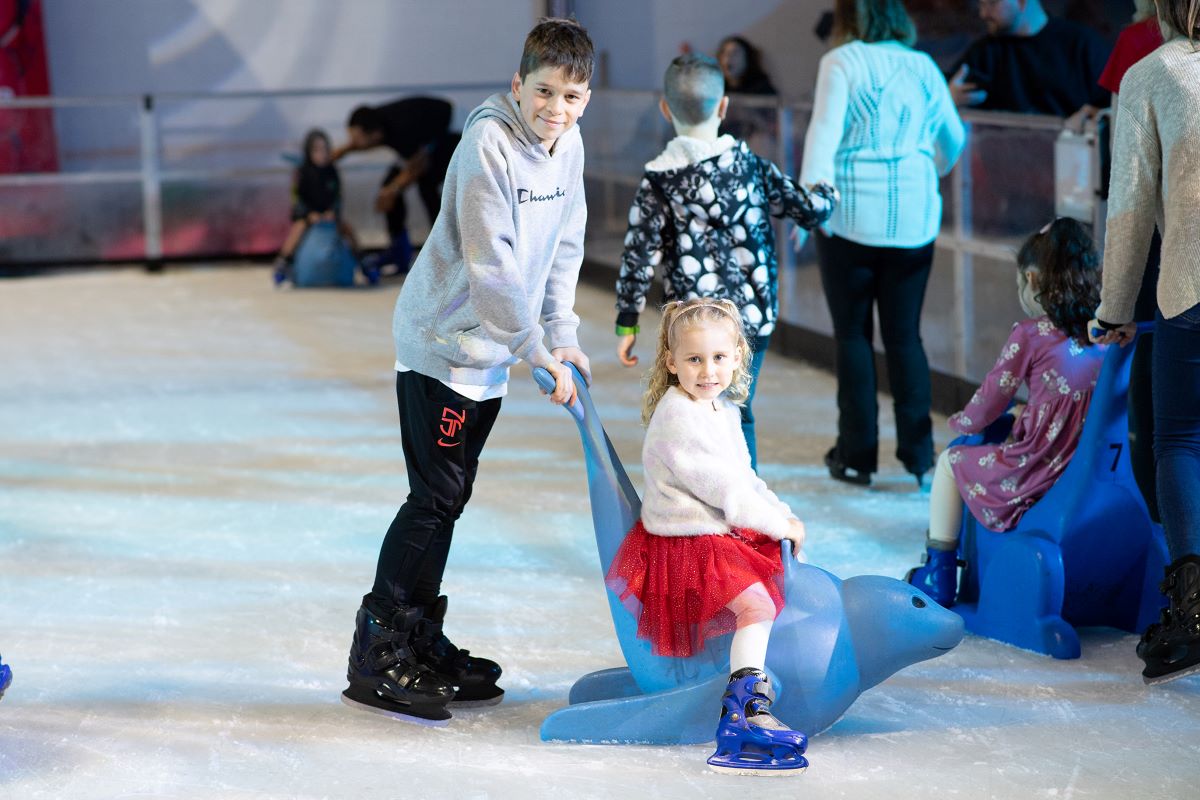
<point x="1171" y="676"/>
<point x="759" y="772"/>
<point x="395" y="713"/>
<point x="485" y="702"/>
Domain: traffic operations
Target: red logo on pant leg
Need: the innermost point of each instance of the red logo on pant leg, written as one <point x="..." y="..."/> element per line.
<point x="452" y="422"/>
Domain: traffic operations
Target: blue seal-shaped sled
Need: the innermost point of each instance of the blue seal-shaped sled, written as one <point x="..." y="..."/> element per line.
<point x="1086" y="553"/>
<point x="323" y="258"/>
<point x="833" y="640"/>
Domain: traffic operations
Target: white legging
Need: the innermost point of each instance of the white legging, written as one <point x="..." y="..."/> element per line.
<point x="945" y="504"/>
<point x="755" y="613"/>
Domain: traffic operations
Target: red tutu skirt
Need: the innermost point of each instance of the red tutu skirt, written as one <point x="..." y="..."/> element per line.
<point x="679" y="587"/>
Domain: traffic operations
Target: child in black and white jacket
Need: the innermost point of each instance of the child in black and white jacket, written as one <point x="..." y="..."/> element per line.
<point x="704" y="210"/>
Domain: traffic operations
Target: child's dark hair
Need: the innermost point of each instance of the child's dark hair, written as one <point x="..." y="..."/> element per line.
<point x="1068" y="274"/>
<point x="557" y="42"/>
<point x="313" y="135"/>
<point x="693" y="87"/>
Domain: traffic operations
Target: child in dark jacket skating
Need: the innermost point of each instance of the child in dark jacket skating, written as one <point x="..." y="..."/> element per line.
<point x="704" y="211"/>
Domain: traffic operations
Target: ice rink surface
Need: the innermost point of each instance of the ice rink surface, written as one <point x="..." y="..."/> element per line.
<point x="195" y="476"/>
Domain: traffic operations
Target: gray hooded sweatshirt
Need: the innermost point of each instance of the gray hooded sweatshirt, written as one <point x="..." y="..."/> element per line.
<point x="505" y="252"/>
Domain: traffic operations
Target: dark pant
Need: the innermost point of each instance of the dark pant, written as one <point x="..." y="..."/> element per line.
<point x="1141" y="372"/>
<point x="1177" y="429"/>
<point x="758" y="347"/>
<point x="429" y="185"/>
<point x="442" y="433"/>
<point x="856" y="278"/>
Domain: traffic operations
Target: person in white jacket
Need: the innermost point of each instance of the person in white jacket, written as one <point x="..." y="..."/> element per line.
<point x="704" y="559"/>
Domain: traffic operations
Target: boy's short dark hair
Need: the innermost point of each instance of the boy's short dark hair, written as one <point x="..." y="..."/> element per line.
<point x="693" y="86"/>
<point x="557" y="42"/>
<point x="366" y="119"/>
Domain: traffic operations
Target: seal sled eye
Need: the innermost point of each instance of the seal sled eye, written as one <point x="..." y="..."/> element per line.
<point x="918" y="602"/>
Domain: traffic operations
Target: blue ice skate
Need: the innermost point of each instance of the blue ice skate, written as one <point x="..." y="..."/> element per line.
<point x="750" y="741"/>
<point x="5" y="677"/>
<point x="834" y="639"/>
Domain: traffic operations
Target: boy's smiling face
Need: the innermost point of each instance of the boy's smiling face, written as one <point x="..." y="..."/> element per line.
<point x="550" y="102"/>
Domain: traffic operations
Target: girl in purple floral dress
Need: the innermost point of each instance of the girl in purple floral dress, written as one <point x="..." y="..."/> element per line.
<point x="1058" y="278"/>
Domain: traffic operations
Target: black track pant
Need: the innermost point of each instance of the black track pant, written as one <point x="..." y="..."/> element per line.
<point x="429" y="185"/>
<point x="443" y="434"/>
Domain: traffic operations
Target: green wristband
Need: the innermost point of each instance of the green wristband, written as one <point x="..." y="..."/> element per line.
<point x="628" y="330"/>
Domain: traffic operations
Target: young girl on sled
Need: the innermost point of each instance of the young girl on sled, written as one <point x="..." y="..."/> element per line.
<point x="704" y="559"/>
<point x="1058" y="279"/>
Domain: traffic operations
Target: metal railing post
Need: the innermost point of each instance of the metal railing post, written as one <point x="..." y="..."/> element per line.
<point x="964" y="267"/>
<point x="151" y="184"/>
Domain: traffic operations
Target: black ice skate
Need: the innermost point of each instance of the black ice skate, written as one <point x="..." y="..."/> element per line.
<point x="1171" y="646"/>
<point x="386" y="677"/>
<point x="474" y="679"/>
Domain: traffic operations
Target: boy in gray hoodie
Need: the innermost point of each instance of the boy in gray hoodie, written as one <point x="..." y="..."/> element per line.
<point x="495" y="277"/>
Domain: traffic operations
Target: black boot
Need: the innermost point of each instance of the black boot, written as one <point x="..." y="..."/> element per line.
<point x="474" y="679"/>
<point x="1171" y="646"/>
<point x="385" y="676"/>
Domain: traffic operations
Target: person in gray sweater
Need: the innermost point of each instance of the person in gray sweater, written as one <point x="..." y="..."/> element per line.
<point x="495" y="278"/>
<point x="1156" y="178"/>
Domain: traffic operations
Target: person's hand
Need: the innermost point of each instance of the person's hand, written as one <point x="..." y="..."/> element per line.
<point x="963" y="93"/>
<point x="1123" y="335"/>
<point x="796" y="536"/>
<point x="313" y="218"/>
<point x="576" y="357"/>
<point x="418" y="164"/>
<point x="1078" y="121"/>
<point x="564" y="384"/>
<point x="625" y="349"/>
<point x="385" y="201"/>
<point x="329" y="216"/>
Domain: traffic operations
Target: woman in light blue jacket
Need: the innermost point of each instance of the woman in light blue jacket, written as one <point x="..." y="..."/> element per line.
<point x="884" y="130"/>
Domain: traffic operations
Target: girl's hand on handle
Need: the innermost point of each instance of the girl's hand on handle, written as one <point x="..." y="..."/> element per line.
<point x="796" y="536"/>
<point x="625" y="349"/>
<point x="1123" y="335"/>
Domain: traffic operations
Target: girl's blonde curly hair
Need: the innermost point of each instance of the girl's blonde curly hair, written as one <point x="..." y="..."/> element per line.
<point x="679" y="314"/>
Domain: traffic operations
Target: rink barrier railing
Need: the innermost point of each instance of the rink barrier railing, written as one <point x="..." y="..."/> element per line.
<point x="623" y="130"/>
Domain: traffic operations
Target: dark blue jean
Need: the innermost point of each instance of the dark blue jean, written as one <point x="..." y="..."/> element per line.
<point x="758" y="346"/>
<point x="1177" y="429"/>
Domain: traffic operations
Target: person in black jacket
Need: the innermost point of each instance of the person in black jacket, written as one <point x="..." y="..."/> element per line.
<point x="703" y="210"/>
<point x="1030" y="63"/>
<point x="417" y="130"/>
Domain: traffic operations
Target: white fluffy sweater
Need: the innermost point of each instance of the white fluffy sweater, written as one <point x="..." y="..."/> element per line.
<point x="698" y="475"/>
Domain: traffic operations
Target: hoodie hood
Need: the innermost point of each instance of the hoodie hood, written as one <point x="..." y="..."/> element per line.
<point x="707" y="178"/>
<point x="503" y="108"/>
<point x="684" y="150"/>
